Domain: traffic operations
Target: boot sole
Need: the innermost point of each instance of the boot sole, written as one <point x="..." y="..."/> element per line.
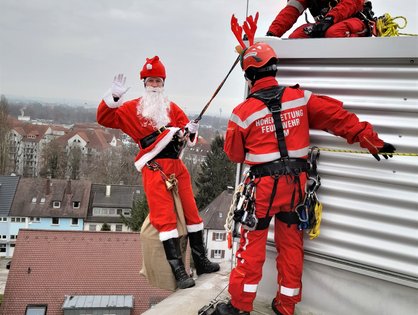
<point x="186" y="284"/>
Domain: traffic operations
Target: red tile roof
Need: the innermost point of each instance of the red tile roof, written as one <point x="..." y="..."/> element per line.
<point x="47" y="265"/>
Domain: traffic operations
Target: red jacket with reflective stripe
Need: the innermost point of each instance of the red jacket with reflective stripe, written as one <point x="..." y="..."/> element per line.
<point x="294" y="8"/>
<point x="251" y="138"/>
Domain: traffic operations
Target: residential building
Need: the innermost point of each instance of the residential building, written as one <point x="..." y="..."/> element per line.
<point x="108" y="203"/>
<point x="52" y="268"/>
<point x="8" y="187"/>
<point x="50" y="204"/>
<point x="214" y="217"/>
<point x="26" y="142"/>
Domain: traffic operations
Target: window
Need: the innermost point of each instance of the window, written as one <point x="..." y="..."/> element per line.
<point x="55" y="221"/>
<point x="2" y="248"/>
<point x="217" y="236"/>
<point x="217" y="253"/>
<point x="43" y="200"/>
<point x="36" y="310"/>
<point x="76" y="204"/>
<point x="56" y="204"/>
<point x="34" y="200"/>
<point x="3" y="236"/>
<point x="34" y="220"/>
<point x="118" y="227"/>
<point x="74" y="221"/>
<point x="3" y="219"/>
<point x="92" y="227"/>
<point x="13" y="237"/>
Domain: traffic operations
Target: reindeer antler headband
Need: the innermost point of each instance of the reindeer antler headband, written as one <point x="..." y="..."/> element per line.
<point x="249" y="26"/>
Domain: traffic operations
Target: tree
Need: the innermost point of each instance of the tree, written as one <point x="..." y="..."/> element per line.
<point x="4" y="135"/>
<point x="74" y="162"/>
<point x="139" y="212"/>
<point x="217" y="172"/>
<point x="54" y="160"/>
<point x="105" y="227"/>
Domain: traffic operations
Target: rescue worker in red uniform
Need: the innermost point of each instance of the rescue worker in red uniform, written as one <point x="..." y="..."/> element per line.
<point x="158" y="126"/>
<point x="333" y="18"/>
<point x="279" y="168"/>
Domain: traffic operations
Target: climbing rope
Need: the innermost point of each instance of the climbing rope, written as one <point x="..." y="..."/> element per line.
<point x="385" y="26"/>
<point x="366" y="152"/>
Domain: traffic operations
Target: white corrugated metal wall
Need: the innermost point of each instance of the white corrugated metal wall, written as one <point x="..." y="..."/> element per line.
<point x="370" y="216"/>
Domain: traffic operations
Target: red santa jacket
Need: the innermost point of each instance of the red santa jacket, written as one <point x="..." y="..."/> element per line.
<point x="294" y="8"/>
<point x="126" y="118"/>
<point x="250" y="136"/>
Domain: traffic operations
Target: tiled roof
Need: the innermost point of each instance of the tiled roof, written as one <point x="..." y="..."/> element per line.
<point x="34" y="132"/>
<point x="8" y="186"/>
<point x="214" y="215"/>
<point x="121" y="196"/>
<point x="97" y="138"/>
<point x="48" y="265"/>
<point x="52" y="190"/>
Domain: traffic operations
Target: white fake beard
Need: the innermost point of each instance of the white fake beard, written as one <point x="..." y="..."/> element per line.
<point x="154" y="107"/>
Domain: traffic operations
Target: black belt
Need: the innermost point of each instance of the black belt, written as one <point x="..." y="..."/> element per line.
<point x="150" y="139"/>
<point x="171" y="151"/>
<point x="292" y="166"/>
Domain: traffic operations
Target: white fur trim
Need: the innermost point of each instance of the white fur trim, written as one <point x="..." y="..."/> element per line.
<point x="169" y="234"/>
<point x="108" y="99"/>
<point x="157" y="149"/>
<point x="192" y="143"/>
<point x="194" y="227"/>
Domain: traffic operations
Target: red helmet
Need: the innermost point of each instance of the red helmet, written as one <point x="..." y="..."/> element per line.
<point x="257" y="56"/>
<point x="153" y="67"/>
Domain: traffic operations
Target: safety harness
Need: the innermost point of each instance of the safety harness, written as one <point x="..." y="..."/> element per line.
<point x="303" y="214"/>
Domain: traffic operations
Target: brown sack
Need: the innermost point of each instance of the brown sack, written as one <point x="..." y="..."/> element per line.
<point x="155" y="266"/>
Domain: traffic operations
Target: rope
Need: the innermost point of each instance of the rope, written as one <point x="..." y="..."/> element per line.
<point x="386" y="26"/>
<point x="367" y="152"/>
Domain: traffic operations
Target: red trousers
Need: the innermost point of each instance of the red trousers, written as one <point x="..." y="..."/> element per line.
<point x="161" y="203"/>
<point x="251" y="254"/>
<point x="352" y="27"/>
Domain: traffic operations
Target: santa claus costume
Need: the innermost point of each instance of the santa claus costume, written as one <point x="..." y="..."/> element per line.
<point x="158" y="126"/>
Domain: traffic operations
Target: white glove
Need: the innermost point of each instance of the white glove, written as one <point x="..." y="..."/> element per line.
<point x="192" y="126"/>
<point x="118" y="86"/>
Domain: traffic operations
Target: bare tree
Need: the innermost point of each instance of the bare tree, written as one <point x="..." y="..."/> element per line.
<point x="54" y="160"/>
<point x="4" y="135"/>
<point x="74" y="162"/>
<point x="114" y="166"/>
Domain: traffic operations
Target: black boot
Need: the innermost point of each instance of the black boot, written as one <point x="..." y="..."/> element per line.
<point x="173" y="254"/>
<point x="273" y="306"/>
<point x="201" y="262"/>
<point x="228" y="309"/>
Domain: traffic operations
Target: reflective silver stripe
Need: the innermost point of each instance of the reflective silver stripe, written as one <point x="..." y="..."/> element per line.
<point x="294" y="103"/>
<point x="262" y="158"/>
<point x="297" y="5"/>
<point x="289" y="291"/>
<point x="257" y="115"/>
<point x="265" y="111"/>
<point x="250" y="288"/>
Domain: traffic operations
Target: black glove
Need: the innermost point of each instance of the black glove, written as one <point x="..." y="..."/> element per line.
<point x="319" y="29"/>
<point x="270" y="34"/>
<point x="385" y="151"/>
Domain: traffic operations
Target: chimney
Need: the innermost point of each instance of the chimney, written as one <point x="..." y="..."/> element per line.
<point x="48" y="187"/>
<point x="108" y="190"/>
<point x="68" y="187"/>
<point x="230" y="190"/>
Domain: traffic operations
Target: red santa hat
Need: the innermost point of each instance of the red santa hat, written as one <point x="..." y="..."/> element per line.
<point x="153" y="67"/>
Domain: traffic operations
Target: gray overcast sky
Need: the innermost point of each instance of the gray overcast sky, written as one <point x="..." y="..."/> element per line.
<point x="66" y="50"/>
